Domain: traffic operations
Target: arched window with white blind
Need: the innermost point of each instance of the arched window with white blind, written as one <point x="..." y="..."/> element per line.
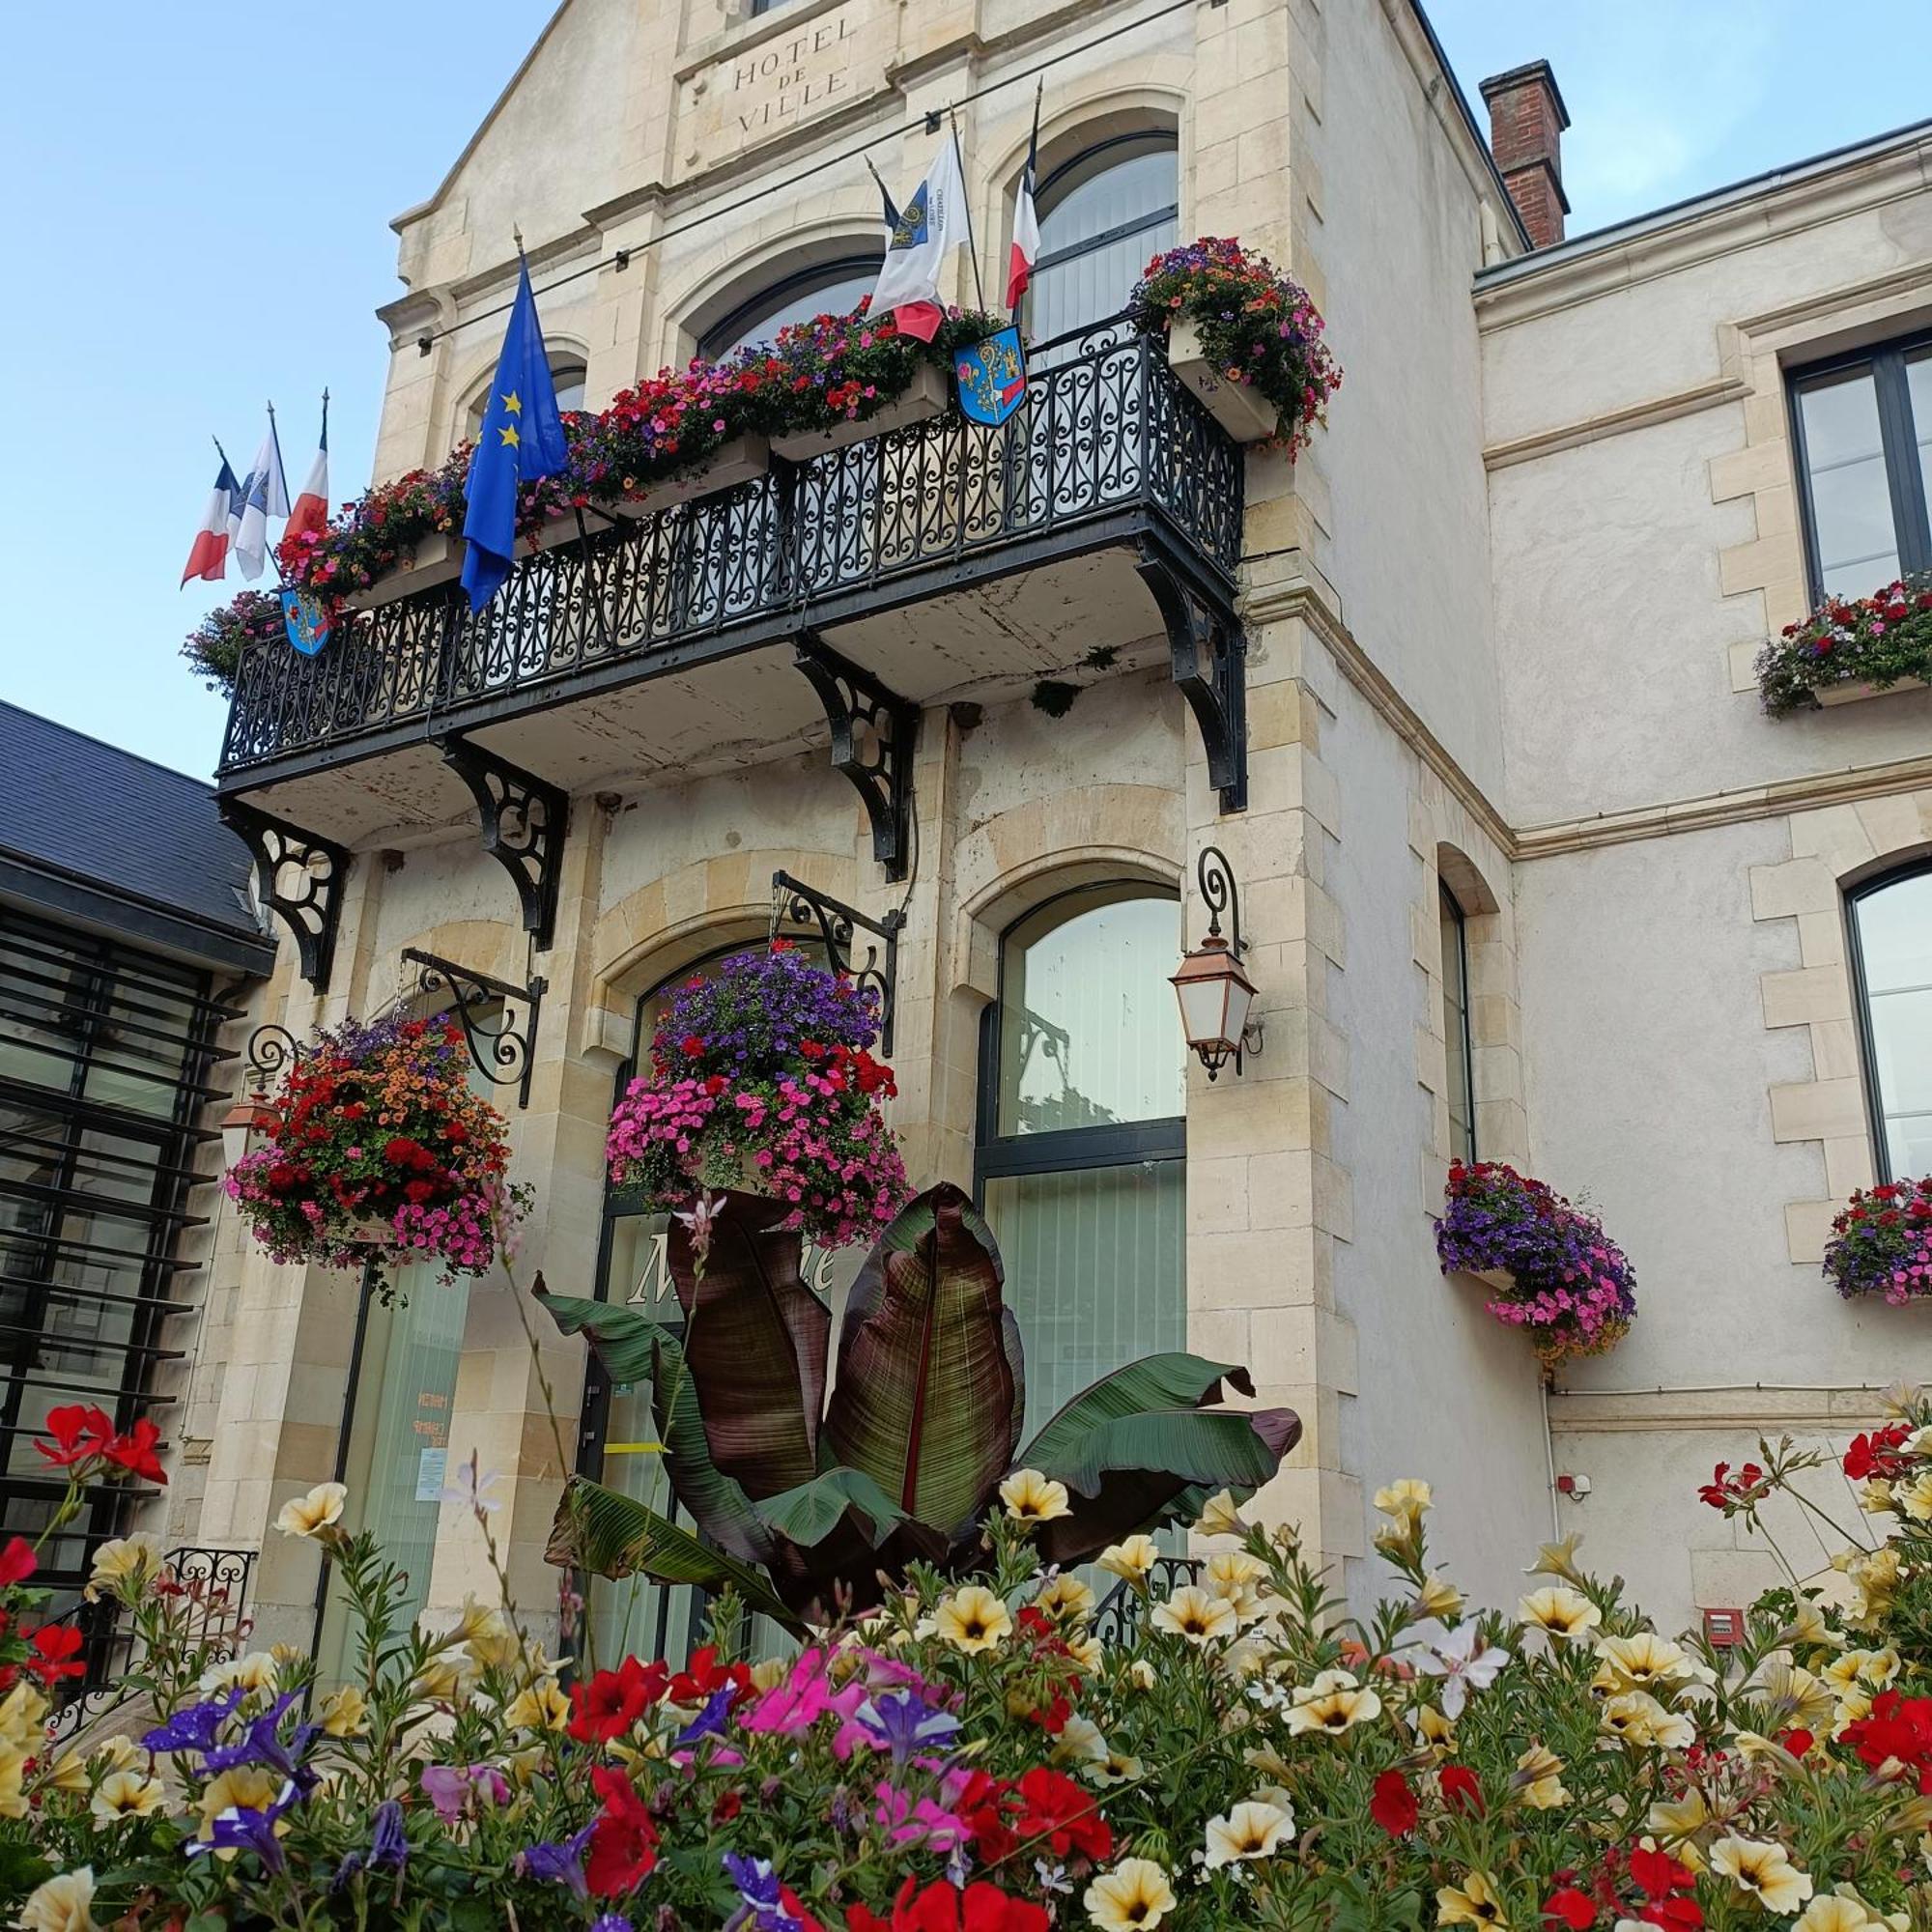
<point x="823" y="287"/>
<point x="1083" y="1143"/>
<point x="1102" y="216"/>
<point x="568" y="375"/>
<point x="1891" y="919"/>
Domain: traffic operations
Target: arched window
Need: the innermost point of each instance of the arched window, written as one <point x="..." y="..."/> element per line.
<point x="567" y="373"/>
<point x="1891" y="962"/>
<point x="825" y="288"/>
<point x="633" y="1614"/>
<point x="1102" y="216"/>
<point x="1457" y="1037"/>
<point x="1081" y="1156"/>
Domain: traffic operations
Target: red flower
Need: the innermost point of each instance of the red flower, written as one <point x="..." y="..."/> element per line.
<point x="1394" y="1806"/>
<point x="135" y="1451"/>
<point x="18" y="1561"/>
<point x="1572" y="1907"/>
<point x="986" y="1804"/>
<point x="54" y="1653"/>
<point x="401" y="1152"/>
<point x="1054" y="1808"/>
<point x="1727" y="1491"/>
<point x="79" y="1432"/>
<point x="623" y="1841"/>
<point x="690" y="1046"/>
<point x="704" y="1677"/>
<point x="1797" y="1740"/>
<point x="614" y="1700"/>
<point x="1874" y="1455"/>
<point x="942" y="1907"/>
<point x="1657" y="1875"/>
<point x="1460" y="1789"/>
<point x="1898" y="1727"/>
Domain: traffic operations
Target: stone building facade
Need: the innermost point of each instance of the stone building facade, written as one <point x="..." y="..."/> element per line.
<point x="1523" y="869"/>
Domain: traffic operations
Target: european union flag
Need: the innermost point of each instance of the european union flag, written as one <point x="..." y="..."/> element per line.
<point x="522" y="438"/>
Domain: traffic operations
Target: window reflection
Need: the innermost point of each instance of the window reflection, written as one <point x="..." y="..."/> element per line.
<point x="1893" y="923"/>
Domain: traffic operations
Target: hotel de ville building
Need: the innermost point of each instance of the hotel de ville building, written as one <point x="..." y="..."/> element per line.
<point x="1462" y="698"/>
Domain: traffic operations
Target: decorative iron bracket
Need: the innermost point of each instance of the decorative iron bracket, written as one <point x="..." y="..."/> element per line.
<point x="795" y="903"/>
<point x="524" y="819"/>
<point x="272" y="1049"/>
<point x="312" y="911"/>
<point x="874" y="734"/>
<point x="1210" y="653"/>
<point x="503" y="1054"/>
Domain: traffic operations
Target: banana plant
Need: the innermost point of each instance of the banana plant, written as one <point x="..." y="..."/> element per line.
<point x="812" y="1504"/>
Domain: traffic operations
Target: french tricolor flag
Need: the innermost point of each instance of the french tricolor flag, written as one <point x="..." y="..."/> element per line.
<point x="208" y="558"/>
<point x="1026" y="221"/>
<point x="311" y="507"/>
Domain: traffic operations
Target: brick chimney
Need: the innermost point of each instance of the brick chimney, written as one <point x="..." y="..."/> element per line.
<point x="1527" y="122"/>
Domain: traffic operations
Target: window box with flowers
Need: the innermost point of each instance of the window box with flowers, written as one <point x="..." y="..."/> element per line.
<point x="762" y="1078"/>
<point x="1882" y="1243"/>
<point x="378" y="1146"/>
<point x="1242" y="336"/>
<point x="1850" y="649"/>
<point x="1551" y="1268"/>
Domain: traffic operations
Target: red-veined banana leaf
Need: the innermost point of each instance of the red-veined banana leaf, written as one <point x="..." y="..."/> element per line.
<point x="1142" y="1447"/>
<point x="931" y="1381"/>
<point x="755" y="1341"/>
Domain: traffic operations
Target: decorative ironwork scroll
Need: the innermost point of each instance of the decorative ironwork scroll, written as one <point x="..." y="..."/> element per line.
<point x="1117" y="1623"/>
<point x="1220" y="894"/>
<point x="874" y="734"/>
<point x="1209" y="650"/>
<point x="795" y="903"/>
<point x="311" y="908"/>
<point x="504" y="1053"/>
<point x="524" y="819"/>
<point x="272" y="1049"/>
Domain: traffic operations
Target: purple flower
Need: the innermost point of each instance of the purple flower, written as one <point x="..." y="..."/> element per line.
<point x="762" y="1895"/>
<point x="558" y="1863"/>
<point x="449" y="1788"/>
<point x="709" y="1721"/>
<point x="195" y="1727"/>
<point x="262" y="1743"/>
<point x="242" y="1828"/>
<point x="609" y="1922"/>
<point x="905" y="1723"/>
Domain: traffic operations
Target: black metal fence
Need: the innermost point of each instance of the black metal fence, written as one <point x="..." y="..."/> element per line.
<point x="1106" y="433"/>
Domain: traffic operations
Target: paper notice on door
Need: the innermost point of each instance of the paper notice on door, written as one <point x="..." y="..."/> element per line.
<point x="432" y="1472"/>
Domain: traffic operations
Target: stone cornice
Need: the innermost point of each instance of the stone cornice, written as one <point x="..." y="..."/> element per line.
<point x="1708" y="395"/>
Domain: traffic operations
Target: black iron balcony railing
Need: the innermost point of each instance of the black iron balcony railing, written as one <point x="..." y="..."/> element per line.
<point x="1108" y="449"/>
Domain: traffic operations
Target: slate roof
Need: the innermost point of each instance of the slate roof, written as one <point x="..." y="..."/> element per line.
<point x="93" y="832"/>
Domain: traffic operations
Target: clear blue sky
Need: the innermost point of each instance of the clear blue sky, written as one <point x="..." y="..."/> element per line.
<point x="200" y="211"/>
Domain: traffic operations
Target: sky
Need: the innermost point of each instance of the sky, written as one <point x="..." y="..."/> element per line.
<point x="200" y="224"/>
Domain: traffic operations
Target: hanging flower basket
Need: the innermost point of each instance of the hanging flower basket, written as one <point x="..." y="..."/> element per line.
<point x="437" y="559"/>
<point x="379" y="1145"/>
<point x="1548" y="1266"/>
<point x="1850" y="648"/>
<point x="763" y="1078"/>
<point x="925" y="397"/>
<point x="742" y="460"/>
<point x="1243" y="337"/>
<point x="1882" y="1243"/>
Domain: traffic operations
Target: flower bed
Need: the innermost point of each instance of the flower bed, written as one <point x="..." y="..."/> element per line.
<point x="815" y="376"/>
<point x="972" y="1758"/>
<point x="379" y="1144"/>
<point x="764" y="1076"/>
<point x="216" y="644"/>
<point x="1882" y="1243"/>
<point x="1556" y="1272"/>
<point x="1258" y="328"/>
<point x="1878" y="641"/>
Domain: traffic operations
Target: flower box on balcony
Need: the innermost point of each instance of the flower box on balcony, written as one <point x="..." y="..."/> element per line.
<point x="1856" y="691"/>
<point x="924" y="398"/>
<point x="438" y="561"/>
<point x="742" y="460"/>
<point x="1246" y="416"/>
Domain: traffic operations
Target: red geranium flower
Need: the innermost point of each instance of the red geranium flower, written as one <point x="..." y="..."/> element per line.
<point x="1054" y="1808"/>
<point x="943" y="1906"/>
<point x="1460" y="1789"/>
<point x="614" y="1700"/>
<point x="1572" y="1907"/>
<point x="18" y="1561"/>
<point x="704" y="1677"/>
<point x="1394" y="1805"/>
<point x="54" y="1653"/>
<point x="135" y="1451"/>
<point x="80" y="1431"/>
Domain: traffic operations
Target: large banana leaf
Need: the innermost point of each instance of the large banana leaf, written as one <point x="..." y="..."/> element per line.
<point x="614" y="1535"/>
<point x="930" y="1379"/>
<point x="1175" y="1381"/>
<point x="755" y="1342"/>
<point x="808" y="1513"/>
<point x="634" y="1349"/>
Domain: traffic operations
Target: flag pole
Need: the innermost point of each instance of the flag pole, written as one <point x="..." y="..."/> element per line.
<point x="966" y="200"/>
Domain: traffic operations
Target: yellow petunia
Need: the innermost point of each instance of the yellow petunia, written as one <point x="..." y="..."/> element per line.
<point x="1064" y="1595"/>
<point x="1673" y="1820"/>
<point x="64" y="1903"/>
<point x="1133" y="1558"/>
<point x="1235" y="1577"/>
<point x="1332" y="1703"/>
<point x="314" y="1515"/>
<point x="22" y="1713"/>
<point x="972" y="1619"/>
<point x="1638" y="1719"/>
<point x="1637" y="1663"/>
<point x="1795" y="1696"/>
<point x="254" y="1670"/>
<point x="1405" y="1498"/>
<point x="1476" y="1901"/>
<point x="12" y="1782"/>
<point x="344" y="1713"/>
<point x="126" y="1794"/>
<point x="123" y="1568"/>
<point x="1539" y="1779"/>
<point x="1219" y="1516"/>
<point x="1031" y="1498"/>
<point x="1192" y="1613"/>
<point x="1836" y="1913"/>
<point x="1875" y="1667"/>
<point x="1915" y="1498"/>
<point x="1438" y="1598"/>
<point x="1116" y="1768"/>
<point x="1252" y="1830"/>
<point x="1133" y="1896"/>
<point x="1560" y="1611"/>
<point x="1762" y="1867"/>
<point x="247" y="1787"/>
<point x="1435" y="1728"/>
<point x="541" y="1706"/>
<point x="1558" y="1559"/>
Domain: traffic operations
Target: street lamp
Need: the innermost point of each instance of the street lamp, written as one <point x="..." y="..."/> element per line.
<point x="253" y="1119"/>
<point x="1214" y="992"/>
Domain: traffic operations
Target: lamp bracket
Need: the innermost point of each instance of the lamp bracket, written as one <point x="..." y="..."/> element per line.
<point x="795" y="903"/>
<point x="503" y="1054"/>
<point x="1219" y="894"/>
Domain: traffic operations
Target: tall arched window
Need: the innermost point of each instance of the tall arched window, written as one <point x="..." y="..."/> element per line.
<point x="1456" y="1029"/>
<point x="633" y="1614"/>
<point x="1891" y="959"/>
<point x="1102" y="215"/>
<point x="567" y="373"/>
<point x="1081" y="1157"/>
<point x="825" y="288"/>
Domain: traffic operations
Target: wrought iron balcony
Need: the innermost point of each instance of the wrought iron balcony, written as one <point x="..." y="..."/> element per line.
<point x="1109" y="483"/>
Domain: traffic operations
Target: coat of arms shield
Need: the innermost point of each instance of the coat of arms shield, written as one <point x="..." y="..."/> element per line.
<point x="993" y="377"/>
<point x="306" y="622"/>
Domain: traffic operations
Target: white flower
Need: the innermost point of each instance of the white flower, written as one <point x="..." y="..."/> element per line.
<point x="1458" y="1656"/>
<point x="310" y="1515"/>
<point x="1250" y="1831"/>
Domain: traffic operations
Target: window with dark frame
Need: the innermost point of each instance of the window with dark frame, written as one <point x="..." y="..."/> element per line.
<point x="1861" y="428"/>
<point x="823" y="287"/>
<point x="1104" y="215"/>
<point x="1456" y="1029"/>
<point x="1890" y="919"/>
